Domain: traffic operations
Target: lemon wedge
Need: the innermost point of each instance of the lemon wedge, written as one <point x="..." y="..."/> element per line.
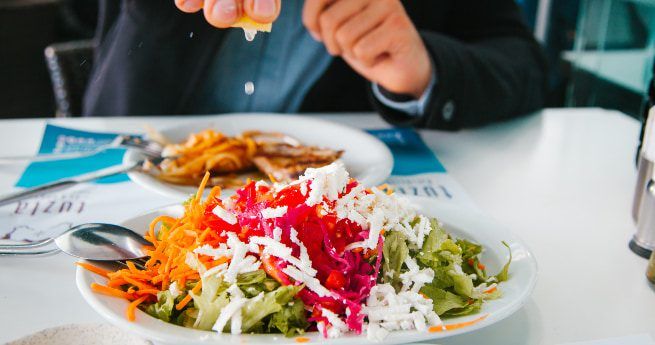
<point x="248" y="24"/>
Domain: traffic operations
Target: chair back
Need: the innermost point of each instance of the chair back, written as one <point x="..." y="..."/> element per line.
<point x="69" y="65"/>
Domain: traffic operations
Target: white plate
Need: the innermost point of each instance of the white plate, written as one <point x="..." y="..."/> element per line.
<point x="461" y="223"/>
<point x="366" y="158"/>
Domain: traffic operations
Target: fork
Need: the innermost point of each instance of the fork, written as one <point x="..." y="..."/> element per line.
<point x="147" y="147"/>
<point x="71" y="181"/>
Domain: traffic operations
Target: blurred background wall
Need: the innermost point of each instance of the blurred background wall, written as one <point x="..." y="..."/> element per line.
<point x="600" y="52"/>
<point x="27" y="27"/>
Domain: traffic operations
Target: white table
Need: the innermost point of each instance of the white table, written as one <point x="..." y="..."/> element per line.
<point x="561" y="179"/>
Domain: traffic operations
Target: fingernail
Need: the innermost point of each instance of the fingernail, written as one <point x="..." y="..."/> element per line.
<point x="225" y="10"/>
<point x="191" y="5"/>
<point x="264" y="8"/>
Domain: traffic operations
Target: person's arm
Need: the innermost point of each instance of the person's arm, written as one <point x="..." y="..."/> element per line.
<point x="405" y="104"/>
<point x="487" y="63"/>
<point x="489" y="66"/>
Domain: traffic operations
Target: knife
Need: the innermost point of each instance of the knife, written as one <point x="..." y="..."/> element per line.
<point x="68" y="182"/>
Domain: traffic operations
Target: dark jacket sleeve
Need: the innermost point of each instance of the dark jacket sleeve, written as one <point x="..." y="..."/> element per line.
<point x="488" y="67"/>
<point x="149" y="59"/>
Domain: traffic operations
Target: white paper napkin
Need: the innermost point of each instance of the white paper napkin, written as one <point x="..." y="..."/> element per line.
<point x="85" y="334"/>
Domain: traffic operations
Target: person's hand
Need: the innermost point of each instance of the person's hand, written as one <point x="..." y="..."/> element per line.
<point x="376" y="38"/>
<point x="224" y="13"/>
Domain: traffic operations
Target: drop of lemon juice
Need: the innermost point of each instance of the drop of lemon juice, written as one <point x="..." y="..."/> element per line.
<point x="250" y="34"/>
<point x="249" y="87"/>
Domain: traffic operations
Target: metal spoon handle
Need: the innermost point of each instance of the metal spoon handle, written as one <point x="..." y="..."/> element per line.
<point x="32" y="245"/>
<point x="65" y="183"/>
<point x="34" y="253"/>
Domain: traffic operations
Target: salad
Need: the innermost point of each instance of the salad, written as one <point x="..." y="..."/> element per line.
<point x="321" y="253"/>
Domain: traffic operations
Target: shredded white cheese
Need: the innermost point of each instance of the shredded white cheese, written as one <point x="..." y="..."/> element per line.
<point x="240" y="262"/>
<point x="277" y="233"/>
<point x="280" y="250"/>
<point x="336" y="326"/>
<point x="225" y="215"/>
<point x="174" y="290"/>
<point x="231" y="312"/>
<point x="269" y="213"/>
<point x="215" y="253"/>
<point x="415" y="278"/>
<point x="389" y="311"/>
<point x="326" y="182"/>
<point x="304" y="255"/>
<point x="312" y="283"/>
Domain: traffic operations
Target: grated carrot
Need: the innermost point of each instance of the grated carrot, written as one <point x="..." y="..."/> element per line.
<point x="131" y="309"/>
<point x="117" y="283"/>
<point x="140" y="285"/>
<point x="105" y="290"/>
<point x="94" y="269"/>
<point x="201" y="188"/>
<point x="215" y="192"/>
<point x="132" y="267"/>
<point x="172" y="239"/>
<point x="454" y="326"/>
<point x="188" y="297"/>
<point x="148" y="292"/>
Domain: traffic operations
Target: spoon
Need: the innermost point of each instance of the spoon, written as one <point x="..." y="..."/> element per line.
<point x="94" y="241"/>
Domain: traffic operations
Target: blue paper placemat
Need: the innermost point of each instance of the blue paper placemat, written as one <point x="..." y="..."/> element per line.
<point x="64" y="140"/>
<point x="410" y="153"/>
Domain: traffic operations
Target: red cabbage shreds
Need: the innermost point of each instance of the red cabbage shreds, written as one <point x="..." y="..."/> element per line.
<point x="348" y="274"/>
<point x="355" y="318"/>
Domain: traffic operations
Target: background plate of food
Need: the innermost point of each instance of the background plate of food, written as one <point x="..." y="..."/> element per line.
<point x="363" y="266"/>
<point x="241" y="146"/>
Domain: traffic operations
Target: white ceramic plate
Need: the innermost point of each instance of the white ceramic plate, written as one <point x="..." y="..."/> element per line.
<point x="465" y="224"/>
<point x="366" y="158"/>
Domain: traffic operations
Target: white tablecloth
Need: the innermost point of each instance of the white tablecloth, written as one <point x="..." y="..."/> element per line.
<point x="560" y="179"/>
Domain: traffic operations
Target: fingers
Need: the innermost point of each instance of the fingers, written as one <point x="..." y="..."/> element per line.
<point x="373" y="45"/>
<point x="263" y="11"/>
<point x="358" y="26"/>
<point x="333" y="17"/>
<point x="311" y="13"/>
<point x="189" y="6"/>
<point x="222" y="13"/>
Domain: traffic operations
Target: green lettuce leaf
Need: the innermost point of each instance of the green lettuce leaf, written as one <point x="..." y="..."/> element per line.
<point x="503" y="275"/>
<point x="163" y="309"/>
<point x="394" y="253"/>
<point x="462" y="283"/>
<point x="256" y="309"/>
<point x="291" y="320"/>
<point x="443" y="300"/>
<point x="187" y="317"/>
<point x="254" y="283"/>
<point x="251" y="278"/>
<point x="469" y="249"/>
<point x="212" y="298"/>
<point x="472" y="308"/>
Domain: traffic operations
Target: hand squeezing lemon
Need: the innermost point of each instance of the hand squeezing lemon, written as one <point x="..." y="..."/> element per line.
<point x="250" y="15"/>
<point x="377" y="38"/>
